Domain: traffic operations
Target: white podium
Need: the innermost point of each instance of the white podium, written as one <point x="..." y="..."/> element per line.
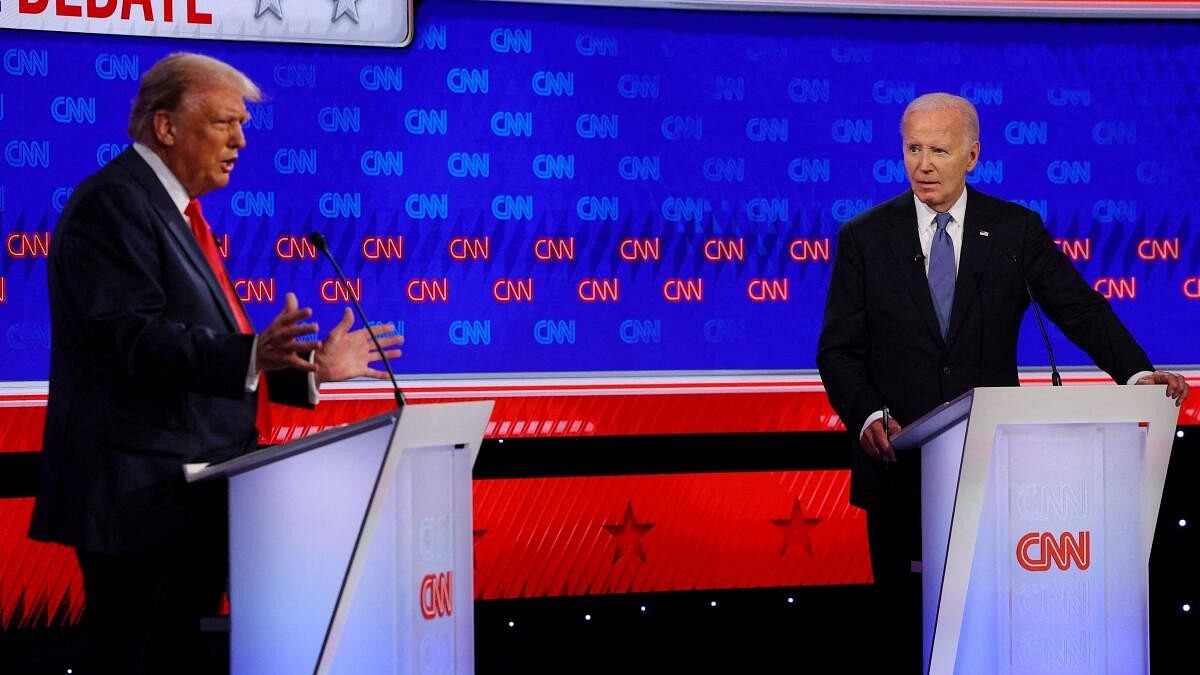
<point x="350" y="551"/>
<point x="1038" y="509"/>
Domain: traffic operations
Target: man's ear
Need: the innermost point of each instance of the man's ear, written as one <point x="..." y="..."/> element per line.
<point x="973" y="154"/>
<point x="164" y="128"/>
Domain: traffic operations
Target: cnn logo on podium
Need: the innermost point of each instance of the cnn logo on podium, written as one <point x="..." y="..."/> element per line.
<point x="1037" y="550"/>
<point x="437" y="595"/>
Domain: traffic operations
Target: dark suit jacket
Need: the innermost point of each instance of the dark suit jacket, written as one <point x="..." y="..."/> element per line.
<point x="147" y="371"/>
<point x="880" y="343"/>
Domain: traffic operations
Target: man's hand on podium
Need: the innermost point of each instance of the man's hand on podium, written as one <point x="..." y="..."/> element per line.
<point x="877" y="444"/>
<point x="1177" y="386"/>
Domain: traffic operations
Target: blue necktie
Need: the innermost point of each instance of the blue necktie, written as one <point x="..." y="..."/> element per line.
<point x="941" y="272"/>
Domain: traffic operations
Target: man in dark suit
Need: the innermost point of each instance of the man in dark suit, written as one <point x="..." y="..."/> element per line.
<point x="925" y="302"/>
<point x="154" y="364"/>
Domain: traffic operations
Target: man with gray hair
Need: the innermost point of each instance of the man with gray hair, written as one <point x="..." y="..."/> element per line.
<point x="925" y="302"/>
<point x="154" y="364"/>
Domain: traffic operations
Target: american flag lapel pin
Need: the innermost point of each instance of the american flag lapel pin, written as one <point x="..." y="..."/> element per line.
<point x="983" y="233"/>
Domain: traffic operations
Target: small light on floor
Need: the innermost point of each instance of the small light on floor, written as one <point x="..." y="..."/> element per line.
<point x="587" y="617"/>
<point x="69" y="671"/>
<point x="1183" y="522"/>
<point x="512" y="624"/>
<point x="1179" y="434"/>
<point x="713" y="603"/>
<point x="643" y="608"/>
<point x="791" y="600"/>
<point x="1187" y="607"/>
<point x="499" y="440"/>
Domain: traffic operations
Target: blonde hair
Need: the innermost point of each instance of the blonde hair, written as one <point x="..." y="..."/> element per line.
<point x="166" y="86"/>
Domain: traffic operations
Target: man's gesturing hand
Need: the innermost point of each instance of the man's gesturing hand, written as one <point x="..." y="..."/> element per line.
<point x="278" y="347"/>
<point x="1177" y="386"/>
<point x="344" y="354"/>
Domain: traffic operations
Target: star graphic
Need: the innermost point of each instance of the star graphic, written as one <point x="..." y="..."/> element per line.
<point x="345" y="8"/>
<point x="796" y="529"/>
<point x="628" y="534"/>
<point x="271" y="6"/>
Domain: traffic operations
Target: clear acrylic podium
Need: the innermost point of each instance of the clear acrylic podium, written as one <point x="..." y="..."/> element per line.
<point x="1038" y="508"/>
<point x="350" y="551"/>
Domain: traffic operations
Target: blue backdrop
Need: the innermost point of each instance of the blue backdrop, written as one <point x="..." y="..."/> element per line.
<point x="535" y="188"/>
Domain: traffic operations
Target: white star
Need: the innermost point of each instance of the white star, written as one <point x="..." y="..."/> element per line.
<point x="271" y="6"/>
<point x="345" y="8"/>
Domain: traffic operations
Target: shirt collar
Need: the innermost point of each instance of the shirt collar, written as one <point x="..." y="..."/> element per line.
<point x="925" y="214"/>
<point x="174" y="188"/>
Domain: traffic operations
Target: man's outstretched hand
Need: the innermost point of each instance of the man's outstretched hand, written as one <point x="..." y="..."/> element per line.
<point x="278" y="346"/>
<point x="345" y="354"/>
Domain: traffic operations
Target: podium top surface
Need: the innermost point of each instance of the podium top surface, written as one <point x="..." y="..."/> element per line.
<point x="274" y="453"/>
<point x="1039" y="405"/>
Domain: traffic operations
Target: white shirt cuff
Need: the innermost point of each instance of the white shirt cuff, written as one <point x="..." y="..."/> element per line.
<point x="1139" y="375"/>
<point x="877" y="415"/>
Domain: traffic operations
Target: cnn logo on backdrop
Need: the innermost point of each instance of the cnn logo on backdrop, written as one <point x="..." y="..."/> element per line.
<point x="1037" y="550"/>
<point x="437" y="595"/>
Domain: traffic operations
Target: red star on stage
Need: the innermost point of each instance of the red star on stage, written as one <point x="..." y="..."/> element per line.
<point x="796" y="529"/>
<point x="629" y="535"/>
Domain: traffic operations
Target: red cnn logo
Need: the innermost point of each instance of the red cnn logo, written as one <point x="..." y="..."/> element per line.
<point x="1061" y="551"/>
<point x="437" y="595"/>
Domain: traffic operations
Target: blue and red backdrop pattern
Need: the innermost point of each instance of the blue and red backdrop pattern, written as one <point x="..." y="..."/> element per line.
<point x="537" y="188"/>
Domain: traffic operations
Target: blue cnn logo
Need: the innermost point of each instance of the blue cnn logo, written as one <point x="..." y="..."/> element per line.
<point x="512" y="207"/>
<point x="246" y="203"/>
<point x="469" y="164"/>
<point x="590" y="44"/>
<point x="807" y="170"/>
<point x="506" y="124"/>
<point x="421" y="206"/>
<point x="511" y="41"/>
<point x="73" y="109"/>
<point x="1062" y="172"/>
<point x="426" y="122"/>
<point x="853" y="131"/>
<point x="633" y="167"/>
<point x="724" y="169"/>
<point x="432" y="37"/>
<point x="467" y="81"/>
<point x="554" y="167"/>
<point x="464" y="333"/>
<point x="1115" y="133"/>
<point x="33" y="62"/>
<point x="888" y="91"/>
<point x="685" y="209"/>
<point x="889" y="171"/>
<point x="106" y="151"/>
<point x="845" y="209"/>
<point x="640" y="331"/>
<point x="591" y="208"/>
<point x="631" y="85"/>
<point x="763" y="210"/>
<point x="726" y="88"/>
<point x="1067" y="97"/>
<point x="983" y="93"/>
<point x="588" y="125"/>
<point x="31" y="154"/>
<point x="334" y="119"/>
<point x="381" y="78"/>
<point x="296" y="161"/>
<point x="677" y="128"/>
<point x="551" y="83"/>
<point x="1114" y="211"/>
<point x="767" y="129"/>
<point x="991" y="171"/>
<point x="262" y="115"/>
<point x="554" y="332"/>
<point x="340" y="204"/>
<point x="808" y="90"/>
<point x="117" y="67"/>
<point x="295" y="75"/>
<point x="1025" y="133"/>
<point x="382" y="163"/>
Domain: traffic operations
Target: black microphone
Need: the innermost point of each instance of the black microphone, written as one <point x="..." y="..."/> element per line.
<point x="920" y="257"/>
<point x="318" y="240"/>
<point x="1055" y="378"/>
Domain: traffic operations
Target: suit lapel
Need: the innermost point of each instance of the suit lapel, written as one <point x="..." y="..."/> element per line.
<point x="906" y="250"/>
<point x="976" y="246"/>
<point x="179" y="230"/>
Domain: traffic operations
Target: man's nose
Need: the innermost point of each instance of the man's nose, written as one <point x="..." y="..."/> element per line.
<point x="238" y="138"/>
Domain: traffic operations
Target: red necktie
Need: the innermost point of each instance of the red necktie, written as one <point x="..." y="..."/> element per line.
<point x="208" y="244"/>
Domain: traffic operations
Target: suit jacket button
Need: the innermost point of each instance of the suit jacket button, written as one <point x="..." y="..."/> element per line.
<point x="945" y="370"/>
